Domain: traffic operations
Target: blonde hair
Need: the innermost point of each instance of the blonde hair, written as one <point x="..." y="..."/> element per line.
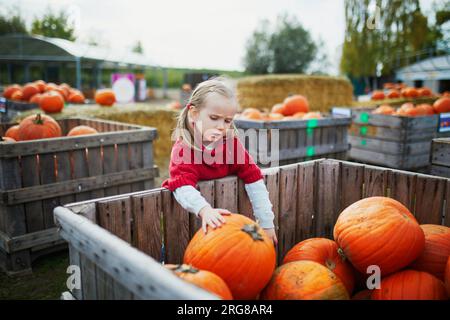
<point x="219" y="85"/>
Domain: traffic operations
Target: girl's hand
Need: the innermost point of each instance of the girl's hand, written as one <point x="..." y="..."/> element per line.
<point x="272" y="235"/>
<point x="212" y="217"/>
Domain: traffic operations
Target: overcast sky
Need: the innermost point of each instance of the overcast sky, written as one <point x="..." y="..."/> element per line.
<point x="194" y="33"/>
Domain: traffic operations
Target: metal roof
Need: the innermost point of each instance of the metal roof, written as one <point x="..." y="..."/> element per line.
<point x="437" y="68"/>
<point x="14" y="47"/>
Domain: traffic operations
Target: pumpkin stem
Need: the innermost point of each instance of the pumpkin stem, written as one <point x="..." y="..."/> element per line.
<point x="184" y="268"/>
<point x="38" y="119"/>
<point x="252" y="230"/>
<point x="341" y="254"/>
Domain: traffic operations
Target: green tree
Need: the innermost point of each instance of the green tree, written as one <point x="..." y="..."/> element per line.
<point x="54" y="25"/>
<point x="288" y="49"/>
<point x="12" y="23"/>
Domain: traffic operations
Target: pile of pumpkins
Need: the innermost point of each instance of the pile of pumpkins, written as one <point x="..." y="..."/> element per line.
<point x="379" y="252"/>
<point x="400" y="90"/>
<point x="40" y="126"/>
<point x="294" y="107"/>
<point x="51" y="97"/>
<point x="408" y="109"/>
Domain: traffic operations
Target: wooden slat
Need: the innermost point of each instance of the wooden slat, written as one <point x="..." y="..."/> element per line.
<point x="288" y="208"/>
<point x="403" y="188"/>
<point x="136" y="162"/>
<point x="244" y="204"/>
<point x="104" y="285"/>
<point x="447" y="206"/>
<point x="147" y="231"/>
<point x="375" y="182"/>
<point x="30" y="178"/>
<point x="226" y="194"/>
<point x="95" y="165"/>
<point x="176" y="228"/>
<point x="352" y="177"/>
<point x="206" y="188"/>
<point x="64" y="163"/>
<point x="48" y="175"/>
<point x="123" y="165"/>
<point x="115" y="216"/>
<point x="88" y="276"/>
<point x="147" y="161"/>
<point x="122" y="293"/>
<point x="430" y="194"/>
<point x="80" y="170"/>
<point x="306" y="206"/>
<point x="328" y="198"/>
<point x="110" y="166"/>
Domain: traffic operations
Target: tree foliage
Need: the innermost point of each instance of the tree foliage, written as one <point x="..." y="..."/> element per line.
<point x="54" y="25"/>
<point x="12" y="23"/>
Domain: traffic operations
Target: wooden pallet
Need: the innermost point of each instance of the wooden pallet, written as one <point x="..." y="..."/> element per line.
<point x="440" y="157"/>
<point x="273" y="143"/>
<point x="118" y="241"/>
<point x="37" y="176"/>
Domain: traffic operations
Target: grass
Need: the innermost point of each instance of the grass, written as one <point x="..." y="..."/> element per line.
<point x="47" y="282"/>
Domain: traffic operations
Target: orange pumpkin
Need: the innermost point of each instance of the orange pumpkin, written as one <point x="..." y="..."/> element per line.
<point x="299" y="115"/>
<point x="36" y="98"/>
<point x="76" y="96"/>
<point x="437" y="249"/>
<point x="312" y="115"/>
<point x="203" y="279"/>
<point x="410" y="285"/>
<point x="81" y="130"/>
<point x="327" y="253"/>
<point x="294" y="104"/>
<point x="304" y="280"/>
<point x="442" y="105"/>
<point x="410" y="92"/>
<point x="447" y="276"/>
<point x="252" y="114"/>
<point x="41" y="85"/>
<point x="29" y="90"/>
<point x="424" y="92"/>
<point x="278" y="108"/>
<point x="13" y="132"/>
<point x="384" y="109"/>
<point x="105" y="97"/>
<point x="17" y="95"/>
<point x="393" y="94"/>
<point x="65" y="88"/>
<point x="408" y="110"/>
<point x="378" y="95"/>
<point x="51" y="102"/>
<point x="7" y="139"/>
<point x="425" y="109"/>
<point x="9" y="90"/>
<point x="362" y="295"/>
<point x="38" y="126"/>
<point x="239" y="252"/>
<point x="51" y="86"/>
<point x="275" y="116"/>
<point x="379" y="231"/>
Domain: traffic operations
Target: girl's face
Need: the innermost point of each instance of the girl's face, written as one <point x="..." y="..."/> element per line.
<point x="215" y="118"/>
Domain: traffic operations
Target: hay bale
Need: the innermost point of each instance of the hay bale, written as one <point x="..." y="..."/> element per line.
<point x="262" y="92"/>
<point x="159" y="117"/>
<point x="392" y="102"/>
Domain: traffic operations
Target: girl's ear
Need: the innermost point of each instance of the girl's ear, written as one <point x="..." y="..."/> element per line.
<point x="193" y="113"/>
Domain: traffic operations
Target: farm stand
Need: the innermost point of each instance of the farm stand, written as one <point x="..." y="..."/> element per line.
<point x="117" y="241"/>
<point x="298" y="139"/>
<point x="37" y="176"/>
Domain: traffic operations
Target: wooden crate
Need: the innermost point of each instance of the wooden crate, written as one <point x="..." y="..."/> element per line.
<point x="117" y="241"/>
<point x="37" y="176"/>
<point x="295" y="140"/>
<point x="440" y="157"/>
<point x="9" y="109"/>
<point x="392" y="141"/>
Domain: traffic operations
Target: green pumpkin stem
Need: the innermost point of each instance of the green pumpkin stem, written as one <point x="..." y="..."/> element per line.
<point x="38" y="119"/>
<point x="184" y="268"/>
<point x="252" y="231"/>
<point x="341" y="254"/>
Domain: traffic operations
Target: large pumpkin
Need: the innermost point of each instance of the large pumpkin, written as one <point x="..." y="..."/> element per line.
<point x="81" y="130"/>
<point x="29" y="90"/>
<point x="327" y="253"/>
<point x="304" y="280"/>
<point x="294" y="104"/>
<point x="437" y="250"/>
<point x="447" y="276"/>
<point x="410" y="285"/>
<point x="105" y="97"/>
<point x="203" y="279"/>
<point x="379" y="231"/>
<point x="38" y="126"/>
<point x="239" y="252"/>
<point x="9" y="90"/>
<point x="13" y="132"/>
<point x="51" y="102"/>
<point x="362" y="295"/>
<point x="442" y="105"/>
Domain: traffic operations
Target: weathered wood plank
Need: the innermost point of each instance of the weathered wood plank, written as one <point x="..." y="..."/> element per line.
<point x="306" y="205"/>
<point x="403" y="188"/>
<point x="48" y="171"/>
<point x="88" y="276"/>
<point x="115" y="216"/>
<point x="430" y="193"/>
<point x="110" y="166"/>
<point x="352" y="177"/>
<point x="375" y="182"/>
<point x="226" y="194"/>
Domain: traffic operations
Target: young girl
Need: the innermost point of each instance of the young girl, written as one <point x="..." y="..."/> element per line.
<point x="207" y="148"/>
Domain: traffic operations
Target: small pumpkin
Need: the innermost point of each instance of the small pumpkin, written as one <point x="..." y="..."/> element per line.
<point x="105" y="97"/>
<point x="312" y="115"/>
<point x="442" y="105"/>
<point x="327" y="253"/>
<point x="41" y="85"/>
<point x="38" y="126"/>
<point x="304" y="280"/>
<point x="9" y="90"/>
<point x="424" y="92"/>
<point x="29" y="90"/>
<point x="410" y="285"/>
<point x="425" y="109"/>
<point x="410" y="92"/>
<point x="275" y="116"/>
<point x="393" y="94"/>
<point x="203" y="279"/>
<point x="379" y="231"/>
<point x="384" y="109"/>
<point x="295" y="103"/>
<point x="252" y="114"/>
<point x="239" y="252"/>
<point x="36" y="98"/>
<point x="17" y="95"/>
<point x="378" y="95"/>
<point x="13" y="132"/>
<point x="278" y="108"/>
<point x="51" y="102"/>
<point x="437" y="249"/>
<point x="76" y="96"/>
<point x="81" y="130"/>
